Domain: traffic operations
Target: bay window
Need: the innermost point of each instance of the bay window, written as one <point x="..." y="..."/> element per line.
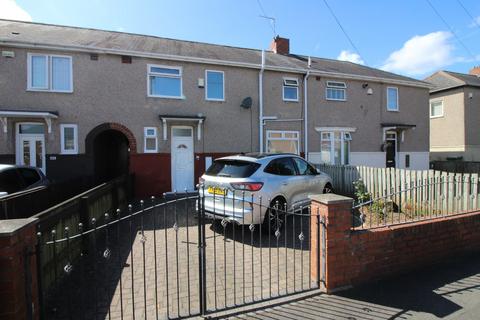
<point x="335" y="147"/>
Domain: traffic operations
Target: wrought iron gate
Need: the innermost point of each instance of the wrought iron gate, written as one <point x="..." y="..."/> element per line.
<point x="166" y="258"/>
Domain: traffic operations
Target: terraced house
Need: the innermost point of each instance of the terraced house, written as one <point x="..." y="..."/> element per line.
<point x="78" y="101"/>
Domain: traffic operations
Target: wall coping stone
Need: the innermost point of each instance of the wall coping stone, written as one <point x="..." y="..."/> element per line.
<point x="330" y="198"/>
<point x="11" y="226"/>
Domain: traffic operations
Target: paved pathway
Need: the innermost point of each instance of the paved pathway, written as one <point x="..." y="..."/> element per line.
<point x="446" y="291"/>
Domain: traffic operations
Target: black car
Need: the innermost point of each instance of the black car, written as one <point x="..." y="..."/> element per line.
<point x="17" y="178"/>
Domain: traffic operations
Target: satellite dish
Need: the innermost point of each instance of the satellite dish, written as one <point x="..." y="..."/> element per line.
<point x="246" y="103"/>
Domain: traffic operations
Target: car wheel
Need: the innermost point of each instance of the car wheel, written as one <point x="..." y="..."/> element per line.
<point x="328" y="188"/>
<point x="275" y="216"/>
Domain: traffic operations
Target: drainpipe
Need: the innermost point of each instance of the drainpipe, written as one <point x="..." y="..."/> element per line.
<point x="260" y="100"/>
<point x="305" y="108"/>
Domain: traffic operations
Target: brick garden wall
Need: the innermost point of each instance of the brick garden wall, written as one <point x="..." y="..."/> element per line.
<point x="354" y="257"/>
<point x="18" y="273"/>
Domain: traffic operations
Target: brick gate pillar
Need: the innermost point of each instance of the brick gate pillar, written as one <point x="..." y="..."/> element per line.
<point x="18" y="270"/>
<point x="331" y="255"/>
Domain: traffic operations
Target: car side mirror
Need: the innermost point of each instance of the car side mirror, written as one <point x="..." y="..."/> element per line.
<point x="318" y="171"/>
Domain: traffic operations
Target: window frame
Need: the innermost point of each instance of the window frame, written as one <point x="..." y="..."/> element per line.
<point x="147" y="136"/>
<point x="345" y="137"/>
<point x="283" y="138"/>
<point x="206" y="85"/>
<point x="62" y="138"/>
<point x="164" y="75"/>
<point x="443" y="110"/>
<point x="48" y="72"/>
<point x="329" y="86"/>
<point x="285" y="85"/>
<point x="397" y="100"/>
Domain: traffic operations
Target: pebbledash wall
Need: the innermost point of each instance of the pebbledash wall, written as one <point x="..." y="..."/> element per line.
<point x="109" y="94"/>
<point x="356" y="257"/>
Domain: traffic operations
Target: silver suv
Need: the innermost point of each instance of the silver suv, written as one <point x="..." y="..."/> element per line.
<point x="247" y="188"/>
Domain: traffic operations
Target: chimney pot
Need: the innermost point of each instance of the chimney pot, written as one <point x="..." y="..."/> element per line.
<point x="475" y="71"/>
<point x="280" y="45"/>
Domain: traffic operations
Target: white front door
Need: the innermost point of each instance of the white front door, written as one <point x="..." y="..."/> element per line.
<point x="30" y="145"/>
<point x="182" y="158"/>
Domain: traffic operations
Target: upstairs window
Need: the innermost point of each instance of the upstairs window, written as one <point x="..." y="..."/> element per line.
<point x="49" y="73"/>
<point x="336" y="91"/>
<point x="436" y="109"/>
<point x="150" y="140"/>
<point x="290" y="89"/>
<point x="165" y="82"/>
<point x="392" y="99"/>
<point x="215" y="88"/>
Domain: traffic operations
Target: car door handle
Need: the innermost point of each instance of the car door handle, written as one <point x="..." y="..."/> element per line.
<point x="284" y="183"/>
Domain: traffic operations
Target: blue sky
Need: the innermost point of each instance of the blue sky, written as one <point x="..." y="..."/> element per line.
<point x="405" y="37"/>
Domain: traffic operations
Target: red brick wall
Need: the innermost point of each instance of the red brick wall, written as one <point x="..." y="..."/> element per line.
<point x="354" y="257"/>
<point x="153" y="171"/>
<point x="13" y="249"/>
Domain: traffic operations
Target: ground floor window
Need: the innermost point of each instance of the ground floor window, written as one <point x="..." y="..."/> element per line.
<point x="335" y="147"/>
<point x="150" y="140"/>
<point x="68" y="139"/>
<point x="283" y="141"/>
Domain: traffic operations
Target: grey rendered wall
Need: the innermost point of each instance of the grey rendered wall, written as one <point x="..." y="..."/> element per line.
<point x="109" y="91"/>
<point x="366" y="112"/>
<point x="448" y="132"/>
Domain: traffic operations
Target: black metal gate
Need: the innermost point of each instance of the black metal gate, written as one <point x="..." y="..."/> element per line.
<point x="166" y="258"/>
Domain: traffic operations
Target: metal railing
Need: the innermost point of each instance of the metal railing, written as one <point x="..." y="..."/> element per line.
<point x="416" y="200"/>
<point x="166" y="258"/>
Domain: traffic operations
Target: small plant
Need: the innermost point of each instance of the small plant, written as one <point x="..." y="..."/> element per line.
<point x="361" y="191"/>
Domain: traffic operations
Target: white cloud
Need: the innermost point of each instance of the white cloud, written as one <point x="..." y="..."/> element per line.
<point x="120" y="29"/>
<point x="346" y="55"/>
<point x="422" y="54"/>
<point x="12" y="11"/>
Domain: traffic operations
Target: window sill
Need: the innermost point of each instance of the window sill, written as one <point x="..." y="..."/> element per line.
<point x="215" y="100"/>
<point x="339" y="100"/>
<point x="436" y="117"/>
<point x="48" y="91"/>
<point x="393" y="110"/>
<point x="290" y="100"/>
<point x="150" y="151"/>
<point x="167" y="97"/>
<point x="69" y="153"/>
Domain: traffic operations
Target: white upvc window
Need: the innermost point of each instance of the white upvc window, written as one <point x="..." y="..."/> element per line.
<point x="150" y="144"/>
<point x="290" y="89"/>
<point x="335" y="147"/>
<point x="68" y="139"/>
<point x="51" y="73"/>
<point x="164" y="82"/>
<point x="214" y="85"/>
<point x="436" y="109"/>
<point x="336" y="91"/>
<point x="392" y="98"/>
<point x="283" y="141"/>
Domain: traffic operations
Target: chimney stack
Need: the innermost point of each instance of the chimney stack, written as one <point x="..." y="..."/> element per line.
<point x="475" y="71"/>
<point x="280" y="45"/>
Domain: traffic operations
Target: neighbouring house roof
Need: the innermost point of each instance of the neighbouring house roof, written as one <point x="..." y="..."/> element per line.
<point x="447" y="80"/>
<point x="44" y="36"/>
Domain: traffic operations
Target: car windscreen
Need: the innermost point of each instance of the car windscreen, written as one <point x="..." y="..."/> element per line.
<point x="232" y="168"/>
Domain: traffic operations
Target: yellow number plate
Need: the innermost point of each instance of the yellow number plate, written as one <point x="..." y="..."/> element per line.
<point x="217" y="190"/>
